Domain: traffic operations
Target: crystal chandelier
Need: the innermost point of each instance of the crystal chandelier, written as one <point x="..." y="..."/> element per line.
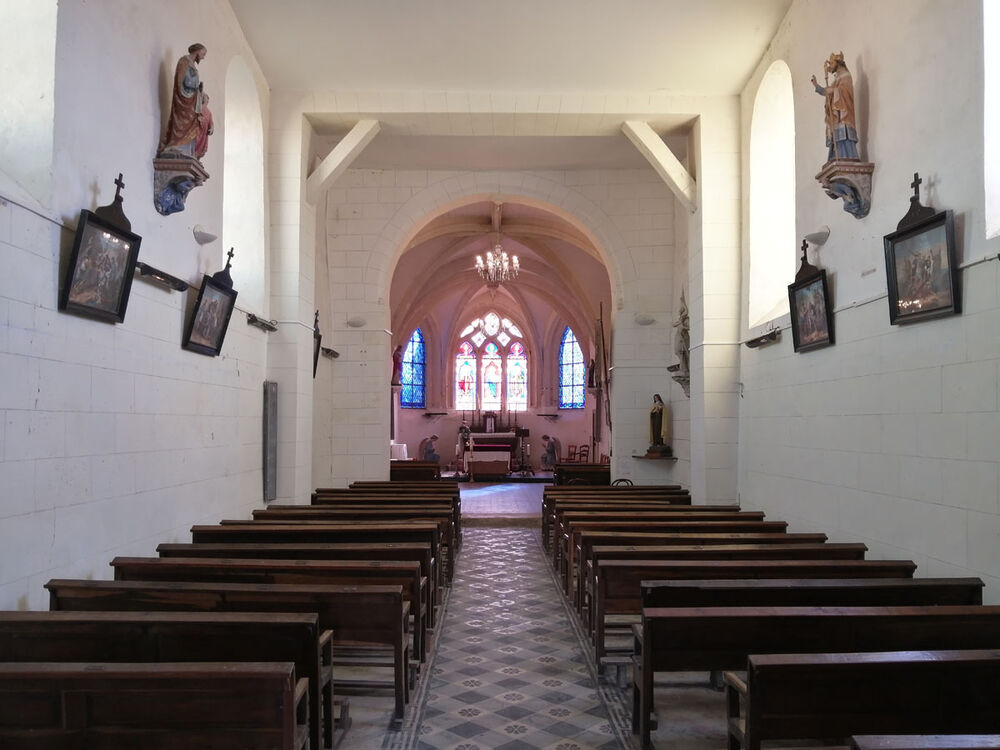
<point x="498" y="266"/>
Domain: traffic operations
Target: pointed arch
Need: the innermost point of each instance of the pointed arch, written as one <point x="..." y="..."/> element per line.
<point x="572" y="372"/>
<point x="412" y="379"/>
<point x="772" y="196"/>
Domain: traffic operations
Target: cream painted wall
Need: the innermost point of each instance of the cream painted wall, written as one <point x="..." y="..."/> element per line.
<point x="892" y="436"/>
<point x="113" y="438"/>
<point x="369" y="213"/>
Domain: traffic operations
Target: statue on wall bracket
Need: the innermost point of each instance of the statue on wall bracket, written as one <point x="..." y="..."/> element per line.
<point x="844" y="175"/>
<point x="177" y="168"/>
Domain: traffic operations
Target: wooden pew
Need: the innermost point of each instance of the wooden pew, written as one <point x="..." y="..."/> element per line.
<point x="550" y="508"/>
<point x="339" y="572"/>
<point x="394" y="496"/>
<point x="357" y="614"/>
<point x="701" y="523"/>
<point x="253" y="532"/>
<point x="409" y="471"/>
<point x="333" y="551"/>
<point x="617" y="582"/>
<point x="926" y="742"/>
<point x="818" y="696"/>
<point x="587" y="540"/>
<point x="720" y="638"/>
<point x="812" y="592"/>
<point x="105" y="706"/>
<point x="593" y="474"/>
<point x="184" y="637"/>
<point x="764" y="551"/>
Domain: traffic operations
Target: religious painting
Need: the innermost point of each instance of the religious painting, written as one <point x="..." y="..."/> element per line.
<point x="101" y="266"/>
<point x="920" y="270"/>
<point x="208" y="324"/>
<point x="811" y="313"/>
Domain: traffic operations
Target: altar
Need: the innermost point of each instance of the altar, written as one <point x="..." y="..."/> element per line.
<point x="490" y="453"/>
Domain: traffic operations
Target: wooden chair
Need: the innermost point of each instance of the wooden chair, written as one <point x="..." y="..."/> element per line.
<point x="583" y="454"/>
<point x="570" y="454"/>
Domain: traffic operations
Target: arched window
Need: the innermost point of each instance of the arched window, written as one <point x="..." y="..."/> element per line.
<point x="491" y="366"/>
<point x="517" y="378"/>
<point x="465" y="377"/>
<point x="772" y="196"/>
<point x="411" y="395"/>
<point x="572" y="372"/>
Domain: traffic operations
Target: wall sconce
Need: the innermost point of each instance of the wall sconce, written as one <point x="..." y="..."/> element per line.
<point x="328" y="352"/>
<point x="644" y="319"/>
<point x="149" y="273"/>
<point x="265" y="325"/>
<point x="764" y="339"/>
<point x="203" y="236"/>
<point x="356" y="322"/>
<point x="819" y="237"/>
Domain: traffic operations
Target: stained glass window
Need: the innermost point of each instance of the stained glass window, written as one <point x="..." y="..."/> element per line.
<point x="572" y="372"/>
<point x="465" y="377"/>
<point x="491" y="377"/>
<point x="517" y="378"/>
<point x="411" y="395"/>
<point x="491" y="368"/>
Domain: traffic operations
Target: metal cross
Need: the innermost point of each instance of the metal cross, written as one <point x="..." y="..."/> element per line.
<point x="119" y="186"/>
<point x="916" y="186"/>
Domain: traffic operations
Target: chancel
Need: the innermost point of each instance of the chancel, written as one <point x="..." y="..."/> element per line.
<point x="637" y="182"/>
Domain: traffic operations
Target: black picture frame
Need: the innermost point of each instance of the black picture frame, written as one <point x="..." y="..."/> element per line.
<point x="206" y="330"/>
<point x="921" y="272"/>
<point x="811" y="312"/>
<point x="101" y="266"/>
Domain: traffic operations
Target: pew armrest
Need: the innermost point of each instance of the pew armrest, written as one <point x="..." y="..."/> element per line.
<point x="637" y="638"/>
<point x="734" y="681"/>
<point x="326" y="648"/>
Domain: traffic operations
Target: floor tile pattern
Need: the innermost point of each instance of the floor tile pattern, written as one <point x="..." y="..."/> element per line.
<point x="509" y="671"/>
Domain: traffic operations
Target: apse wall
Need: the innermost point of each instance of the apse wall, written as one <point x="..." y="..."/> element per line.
<point x="631" y="209"/>
<point x="889" y="437"/>
<point x="112" y="437"/>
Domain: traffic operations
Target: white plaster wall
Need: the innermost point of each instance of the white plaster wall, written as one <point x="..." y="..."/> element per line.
<point x="113" y="438"/>
<point x="371" y="213"/>
<point x="890" y="437"/>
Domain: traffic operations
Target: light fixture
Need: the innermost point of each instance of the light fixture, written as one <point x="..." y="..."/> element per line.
<point x="498" y="266"/>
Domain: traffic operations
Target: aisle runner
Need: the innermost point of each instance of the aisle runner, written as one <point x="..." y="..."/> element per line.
<point x="510" y="672"/>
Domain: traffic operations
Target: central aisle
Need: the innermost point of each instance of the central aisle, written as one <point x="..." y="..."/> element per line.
<point x="509" y="672"/>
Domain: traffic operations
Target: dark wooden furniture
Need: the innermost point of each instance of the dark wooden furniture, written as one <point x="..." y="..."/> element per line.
<point x="184" y="637"/>
<point x="577" y="473"/>
<point x="268" y="570"/>
<point x="926" y="742"/>
<point x="418" y="552"/>
<point x="358" y="615"/>
<point x="719" y="638"/>
<point x="617" y="582"/>
<point x="819" y="696"/>
<point x="414" y="471"/>
<point x="106" y="706"/>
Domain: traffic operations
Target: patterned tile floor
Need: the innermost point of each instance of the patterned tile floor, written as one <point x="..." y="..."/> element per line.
<point x="509" y="672"/>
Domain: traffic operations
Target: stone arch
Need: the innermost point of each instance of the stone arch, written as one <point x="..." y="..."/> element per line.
<point x="243" y="213"/>
<point x="772" y="196"/>
<point x="453" y="192"/>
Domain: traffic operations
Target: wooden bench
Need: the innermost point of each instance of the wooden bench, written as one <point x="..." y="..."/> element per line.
<point x="721" y="638"/>
<point x="926" y="742"/>
<point x="617" y="588"/>
<point x="704" y="523"/>
<point x="254" y="532"/>
<point x="409" y="471"/>
<point x="419" y="552"/>
<point x="105" y="706"/>
<point x="393" y="497"/>
<point x="587" y="540"/>
<point x="819" y="696"/>
<point x="357" y="614"/>
<point x="575" y="473"/>
<point x="185" y="637"/>
<point x="338" y="572"/>
<point x="812" y="592"/>
<point x="554" y="506"/>
<point x="764" y="551"/>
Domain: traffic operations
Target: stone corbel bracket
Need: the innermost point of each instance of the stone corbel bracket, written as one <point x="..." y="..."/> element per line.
<point x="851" y="180"/>
<point x="173" y="179"/>
<point x="682" y="378"/>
